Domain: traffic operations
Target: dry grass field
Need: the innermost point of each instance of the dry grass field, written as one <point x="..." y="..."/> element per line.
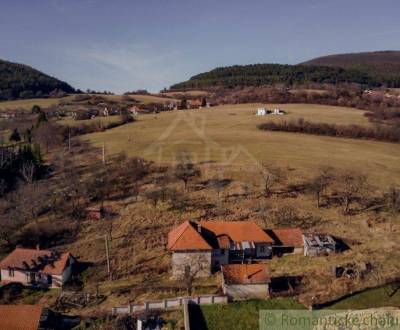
<point x="228" y="136"/>
<point x="46" y="102"/>
<point x="142" y="98"/>
<point x="28" y="103"/>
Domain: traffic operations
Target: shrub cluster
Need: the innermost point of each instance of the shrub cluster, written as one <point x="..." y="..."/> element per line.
<point x="380" y="133"/>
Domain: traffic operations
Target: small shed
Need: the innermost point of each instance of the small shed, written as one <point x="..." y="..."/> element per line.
<point x="278" y="111"/>
<point x="95" y="212"/>
<point x="318" y="244"/>
<point x="245" y="281"/>
<point x="286" y="240"/>
<point x="262" y="112"/>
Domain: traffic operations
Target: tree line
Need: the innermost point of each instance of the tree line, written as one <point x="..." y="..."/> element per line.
<point x="379" y="132"/>
<point x="270" y="74"/>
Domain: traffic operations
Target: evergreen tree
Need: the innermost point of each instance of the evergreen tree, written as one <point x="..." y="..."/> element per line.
<point x="41" y="118"/>
<point x="14" y="136"/>
<point x="183" y="104"/>
<point x="36" y="109"/>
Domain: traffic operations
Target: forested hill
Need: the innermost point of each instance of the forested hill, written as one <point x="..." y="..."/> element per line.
<point x="268" y="74"/>
<point x="21" y="81"/>
<point x="384" y="63"/>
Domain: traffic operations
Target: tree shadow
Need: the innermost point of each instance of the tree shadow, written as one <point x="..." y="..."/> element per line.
<point x="196" y="317"/>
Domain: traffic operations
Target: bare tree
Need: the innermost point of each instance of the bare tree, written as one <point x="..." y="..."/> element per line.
<point x="195" y="267"/>
<point x="186" y="170"/>
<point x="319" y="183"/>
<point x="49" y="135"/>
<point x="349" y="188"/>
<point x="28" y="171"/>
<point x="393" y="199"/>
<point x="271" y="176"/>
<point x="154" y="195"/>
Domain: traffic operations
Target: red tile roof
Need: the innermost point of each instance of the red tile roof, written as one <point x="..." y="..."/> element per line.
<point x="20" y="317"/>
<point x="245" y="274"/>
<point x="186" y="237"/>
<point x="289" y="237"/>
<point x="238" y="231"/>
<point x="35" y="260"/>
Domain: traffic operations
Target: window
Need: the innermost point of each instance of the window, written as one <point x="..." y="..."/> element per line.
<point x="10" y="272"/>
<point x="222" y="252"/>
<point x="262" y="249"/>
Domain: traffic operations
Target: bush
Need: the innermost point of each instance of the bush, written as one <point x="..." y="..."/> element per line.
<point x="379" y="133"/>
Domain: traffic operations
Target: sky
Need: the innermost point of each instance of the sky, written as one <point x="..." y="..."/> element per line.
<point x="125" y="45"/>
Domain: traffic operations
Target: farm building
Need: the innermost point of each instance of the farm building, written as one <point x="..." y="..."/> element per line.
<point x="201" y="247"/>
<point x="245" y="281"/>
<point x="318" y="244"/>
<point x="277" y="111"/>
<point x="34" y="267"/>
<point x="265" y="112"/>
<point x="287" y="240"/>
<point x="262" y="112"/>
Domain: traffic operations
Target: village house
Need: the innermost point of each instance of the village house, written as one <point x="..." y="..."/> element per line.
<point x="318" y="244"/>
<point x="204" y="246"/>
<point x="26" y="317"/>
<point x="35" y="267"/>
<point x="245" y="281"/>
<point x="133" y="110"/>
<point x="286" y="240"/>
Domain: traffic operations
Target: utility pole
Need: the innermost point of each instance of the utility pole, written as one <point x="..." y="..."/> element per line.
<point x="104" y="153"/>
<point x="69" y="140"/>
<point x="108" y="257"/>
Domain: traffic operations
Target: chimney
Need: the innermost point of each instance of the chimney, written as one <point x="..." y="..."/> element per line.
<point x="37" y="247"/>
<point x="199" y="228"/>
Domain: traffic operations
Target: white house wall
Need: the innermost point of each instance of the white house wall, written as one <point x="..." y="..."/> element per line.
<point x="246" y="291"/>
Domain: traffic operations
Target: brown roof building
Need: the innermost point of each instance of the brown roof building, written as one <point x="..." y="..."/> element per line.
<point x="34" y="266"/>
<point x="245" y="281"/>
<point x="215" y="243"/>
<point x="245" y="274"/>
<point x="20" y="317"/>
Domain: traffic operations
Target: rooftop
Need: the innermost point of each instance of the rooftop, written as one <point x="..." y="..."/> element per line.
<point x="216" y="234"/>
<point x="20" y="317"/>
<point x="245" y="274"/>
<point x="287" y="237"/>
<point x="35" y="260"/>
<point x="186" y="237"/>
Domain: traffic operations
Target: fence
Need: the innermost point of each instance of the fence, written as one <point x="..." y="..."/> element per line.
<point x="170" y="303"/>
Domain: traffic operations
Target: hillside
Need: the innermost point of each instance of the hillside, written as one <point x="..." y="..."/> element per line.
<point x="385" y="63"/>
<point x="19" y="81"/>
<point x="372" y="69"/>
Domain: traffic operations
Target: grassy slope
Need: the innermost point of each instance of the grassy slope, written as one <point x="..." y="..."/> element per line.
<point x="243" y="315"/>
<point x="28" y="103"/>
<point x="45" y="102"/>
<point x="218" y="133"/>
<point x="373" y="298"/>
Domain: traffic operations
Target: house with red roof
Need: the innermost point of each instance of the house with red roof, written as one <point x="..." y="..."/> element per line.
<point x="24" y="317"/>
<point x="198" y="248"/>
<point x="35" y="267"/>
<point x="245" y="281"/>
<point x="286" y="240"/>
